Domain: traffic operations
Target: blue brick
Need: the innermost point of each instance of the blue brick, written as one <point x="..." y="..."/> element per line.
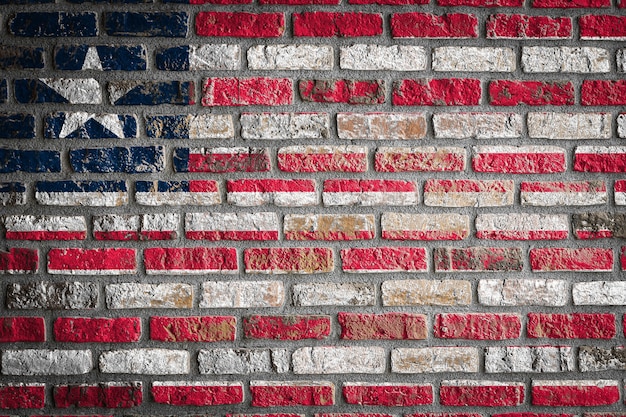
<point x="131" y="160"/>
<point x="81" y="125"/>
<point x="18" y="57"/>
<point x="12" y="194"/>
<point x="168" y="126"/>
<point x="25" y="1"/>
<point x="80" y="186"/>
<point x="110" y="1"/>
<point x="152" y="93"/>
<point x="53" y="24"/>
<point x="17" y="126"/>
<point x="59" y="90"/>
<point x="171" y="25"/>
<point x="4" y="92"/>
<point x="180" y="159"/>
<point x="162" y="186"/>
<point x="100" y="57"/>
<point x="17" y="160"/>
<point x="173" y="59"/>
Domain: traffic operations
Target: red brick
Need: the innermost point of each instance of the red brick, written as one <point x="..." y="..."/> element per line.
<point x="427" y="159"/>
<point x="220" y="1"/>
<point x="353" y="415"/>
<point x="109" y="395"/>
<point x="426" y="25"/>
<point x="570" y="4"/>
<point x="567" y="259"/>
<point x="390" y="2"/>
<point x="329" y="24"/>
<point x="343" y="91"/>
<point x="198" y="260"/>
<point x="299" y="2"/>
<point x="437" y="92"/>
<point x="571" y="326"/>
<point x="22" y="329"/>
<point x="197" y="393"/>
<point x="443" y="415"/>
<point x="388" y="395"/>
<point x="222" y="160"/>
<point x="482" y="394"/>
<point x="519" y="160"/>
<point x="533" y="93"/>
<point x="478" y="259"/>
<point x="481" y="3"/>
<point x="193" y="329"/>
<point x="600" y="159"/>
<point x="322" y="159"/>
<point x="292" y="327"/>
<point x="242" y="25"/>
<point x="387" y="326"/>
<point x="247" y="91"/>
<point x="384" y="259"/>
<point x="19" y="261"/>
<point x="603" y="26"/>
<point x="14" y="396"/>
<point x="622" y="259"/>
<point x="288" y="260"/>
<point x="274" y="394"/>
<point x="532" y="415"/>
<point x="574" y="395"/>
<point x="528" y="27"/>
<point x="92" y="261"/>
<point x="478" y="326"/>
<point x="603" y="92"/>
<point x="105" y="330"/>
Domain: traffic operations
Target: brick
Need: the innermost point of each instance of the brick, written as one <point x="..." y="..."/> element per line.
<point x="58" y="90"/>
<point x="594" y="358"/>
<point x="337" y="90"/>
<point x="22" y="57"/>
<point x="434" y="360"/>
<point x="138" y="295"/>
<point x="30" y="161"/>
<point x="17" y="125"/>
<point x="569" y="125"/>
<point x="81" y="193"/>
<point x="570" y="4"/>
<point x="339" y="360"/>
<point x="571" y="326"/>
<point x="468" y="193"/>
<point x="405" y="226"/>
<point x="245" y="294"/>
<point x="19" y="261"/>
<point x="243" y="361"/>
<point x="380" y="126"/>
<point x="522" y="226"/>
<point x="289" y="327"/>
<point x="478" y="326"/>
<point x="239" y="24"/>
<point x="14" y="396"/>
<point x="387" y="394"/>
<point x="231" y="226"/>
<point x="99" y="330"/>
<point x="100" y="57"/>
<point x="519" y="159"/>
<point x="338" y="192"/>
<point x="422" y="159"/>
<point x="518" y="26"/>
<point x="12" y="194"/>
<point x="531" y="359"/>
<point x="22" y="329"/>
<point x="334" y="294"/>
<point x="83" y="125"/>
<point x="329" y="226"/>
<point x="285" y="125"/>
<point x="574" y="393"/>
<point x="329" y="24"/>
<point x="620" y="57"/>
<point x="362" y="57"/>
<point x="481" y="3"/>
<point x="107" y="394"/>
<point x="384" y="260"/>
<point x="247" y="91"/>
<point x="437" y="92"/>
<point x="198" y="58"/>
<point x="75" y="261"/>
<point x="322" y="159"/>
<point x="290" y="393"/>
<point x="190" y="261"/>
<point x="203" y="393"/>
<point x="136" y="227"/>
<point x="283" y="193"/>
<point x="45" y="227"/>
<point x="177" y="193"/>
<point x="449" y="415"/>
<point x="426" y="25"/>
<point x="305" y="260"/>
<point x="473" y="59"/>
<point x="4" y="91"/>
<point x="145" y="361"/>
<point x="426" y="292"/>
<point x="161" y="24"/>
<point x="53" y="24"/>
<point x="193" y="329"/>
<point x="477" y="125"/>
<point x="602" y="27"/>
<point x="190" y="126"/>
<point x="131" y="160"/>
<point x="599" y="293"/>
<point x="151" y="93"/>
<point x="620" y="192"/>
<point x="46" y="362"/>
<point x="566" y="193"/>
<point x="299" y="2"/>
<point x="221" y="160"/>
<point x="522" y="292"/>
<point x="597" y="225"/>
<point x="532" y="93"/>
<point x="567" y="259"/>
<point x="603" y="92"/>
<point x="52" y="295"/>
<point x="387" y="326"/>
<point x="478" y="259"/>
<point x="537" y="59"/>
<point x="481" y="393"/>
<point x="610" y="159"/>
<point x="290" y="57"/>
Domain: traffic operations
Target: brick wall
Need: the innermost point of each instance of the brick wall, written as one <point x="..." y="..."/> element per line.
<point x="306" y="208"/>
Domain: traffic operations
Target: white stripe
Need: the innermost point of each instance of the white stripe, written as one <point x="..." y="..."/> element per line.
<point x="620" y="198"/>
<point x="91" y="271"/>
<point x="189" y="271"/>
<point x="480" y="383"/>
<point x="210" y="126"/>
<point x="45" y="224"/>
<point x="114" y="222"/>
<point x="209" y="151"/>
<point x="93" y="199"/>
<point x="577" y="383"/>
<point x="322" y="150"/>
<point x="264" y="221"/>
<point x="601" y="38"/>
<point x="196" y="384"/>
<point x="16" y="198"/>
<point x="382" y="271"/>
<point x="559" y="198"/>
<point x="520" y="222"/>
<point x="178" y="198"/>
<point x="518" y="149"/>
<point x="288" y="198"/>
<point x="601" y="149"/>
<point x="291" y="383"/>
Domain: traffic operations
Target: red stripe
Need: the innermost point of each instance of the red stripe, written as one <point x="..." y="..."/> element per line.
<point x="290" y="327"/>
<point x="565" y="259"/>
<point x="573" y="396"/>
<point x="232" y="235"/>
<point x="605" y="162"/>
<point x="123" y="396"/>
<point x="620" y="186"/>
<point x="168" y="259"/>
<point x="22" y="396"/>
<point x="337" y="162"/>
<point x="130" y="235"/>
<point x="424" y="235"/>
<point x="348" y="235"/>
<point x="334" y="186"/>
<point x="421" y="162"/>
<point x="45" y="235"/>
<point x="22" y="329"/>
<point x="571" y="326"/>
<point x="389" y="396"/>
<point x="19" y="259"/>
<point x="465" y="186"/>
<point x="519" y="163"/>
<point x="198" y="395"/>
<point x="101" y="330"/>
<point x="270" y="185"/>
<point x="400" y="258"/>
<point x="201" y="186"/>
<point x="288" y="259"/>
<point x="224" y="162"/>
<point x="91" y="259"/>
<point x="526" y="235"/>
<point x="486" y="396"/>
<point x="286" y="395"/>
<point x="597" y="234"/>
<point x="478" y="326"/>
<point x="558" y="186"/>
<point x="193" y="329"/>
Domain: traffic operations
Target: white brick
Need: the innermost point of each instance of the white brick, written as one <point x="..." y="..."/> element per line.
<point x="338" y="294"/>
<point x="522" y="291"/>
<point x="231" y="222"/>
<point x="211" y="126"/>
<point x="528" y="359"/>
<point x="145" y="361"/>
<point x="426" y="292"/>
<point x="621" y="60"/>
<point x="243" y="294"/>
<point x="329" y="226"/>
<point x="575" y="383"/>
<point x="243" y="361"/>
<point x="380" y="126"/>
<point x="599" y="293"/>
<point x="477" y="125"/>
<point x="467" y="58"/>
<point x="291" y="57"/>
<point x="434" y="359"/>
<point x="569" y="125"/>
<point x="46" y="362"/>
<point x="140" y="224"/>
<point x="595" y="358"/>
<point x="27" y="223"/>
<point x="443" y="226"/>
<point x="214" y="57"/>
<point x="565" y="59"/>
<point x="136" y="295"/>
<point x="339" y="360"/>
<point x="522" y="226"/>
<point x="380" y="58"/>
<point x="285" y="125"/>
<point x="621" y="125"/>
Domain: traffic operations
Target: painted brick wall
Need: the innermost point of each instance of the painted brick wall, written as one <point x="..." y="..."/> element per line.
<point x="313" y="208"/>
